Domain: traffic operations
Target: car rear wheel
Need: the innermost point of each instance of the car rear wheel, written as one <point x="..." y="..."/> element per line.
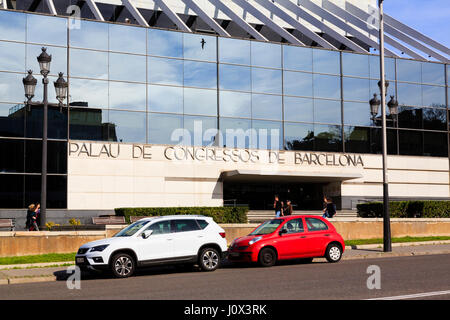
<point x="209" y="259"/>
<point x="333" y="253"/>
<point x="267" y="257"/>
<point x="122" y="265"/>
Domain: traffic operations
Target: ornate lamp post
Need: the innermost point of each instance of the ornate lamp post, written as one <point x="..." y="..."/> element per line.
<point x="29" y="83"/>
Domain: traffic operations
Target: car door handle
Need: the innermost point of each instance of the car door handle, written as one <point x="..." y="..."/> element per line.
<point x="327" y="235"/>
<point x="199" y="236"/>
<point x="169" y="239"/>
<point x="303" y="237"/>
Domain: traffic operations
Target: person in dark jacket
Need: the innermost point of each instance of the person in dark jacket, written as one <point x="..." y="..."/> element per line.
<point x="278" y="207"/>
<point x="30" y="213"/>
<point x="288" y="208"/>
<point x="330" y="209"/>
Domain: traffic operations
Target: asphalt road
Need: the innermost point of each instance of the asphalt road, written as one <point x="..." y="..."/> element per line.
<point x="289" y="281"/>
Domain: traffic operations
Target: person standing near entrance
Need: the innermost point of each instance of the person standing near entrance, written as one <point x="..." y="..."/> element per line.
<point x="277" y="206"/>
<point x="330" y="209"/>
<point x="287" y="210"/>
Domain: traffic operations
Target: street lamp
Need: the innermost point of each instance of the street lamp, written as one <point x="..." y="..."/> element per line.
<point x="29" y="83"/>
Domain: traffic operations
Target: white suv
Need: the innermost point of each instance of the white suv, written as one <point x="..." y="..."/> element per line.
<point x="154" y="241"/>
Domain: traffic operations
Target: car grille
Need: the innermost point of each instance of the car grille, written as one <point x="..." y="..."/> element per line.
<point x="82" y="250"/>
<point x="241" y="248"/>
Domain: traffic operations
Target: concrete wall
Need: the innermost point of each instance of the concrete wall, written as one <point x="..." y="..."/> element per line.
<point x="32" y="243"/>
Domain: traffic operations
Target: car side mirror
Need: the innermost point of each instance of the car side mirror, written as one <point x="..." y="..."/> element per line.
<point x="282" y="231"/>
<point x="147" y="233"/>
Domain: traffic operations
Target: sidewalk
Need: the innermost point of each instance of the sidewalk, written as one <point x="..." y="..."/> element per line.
<point x="41" y="274"/>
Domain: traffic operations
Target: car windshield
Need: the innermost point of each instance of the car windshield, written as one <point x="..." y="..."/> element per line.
<point x="132" y="229"/>
<point x="267" y="227"/>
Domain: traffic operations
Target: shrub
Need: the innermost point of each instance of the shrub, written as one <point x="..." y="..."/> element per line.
<point x="74" y="222"/>
<point x="50" y="225"/>
<point x="219" y="214"/>
<point x="406" y="209"/>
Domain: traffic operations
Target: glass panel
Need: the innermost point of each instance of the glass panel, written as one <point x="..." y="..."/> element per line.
<point x="235" y="104"/>
<point x="325" y="61"/>
<point x="12" y="26"/>
<point x="89" y="64"/>
<point x="165" y="43"/>
<point x="127" y="39"/>
<point x="266" y="54"/>
<point x="298" y="84"/>
<point x="356" y="113"/>
<point x="266" y="80"/>
<point x="88" y="93"/>
<point x="39" y="93"/>
<point x="57" y="192"/>
<point x="89" y="35"/>
<point x="409" y="94"/>
<point x="410" y="142"/>
<point x="433" y="96"/>
<point x="374" y="88"/>
<point x="355" y="65"/>
<point x="389" y="67"/>
<point x="202" y="102"/>
<point x="58" y="64"/>
<point x="127" y="67"/>
<point x="11" y="155"/>
<point x="234" y="51"/>
<point x="409" y="117"/>
<point x="33" y="122"/>
<point x="11" y="188"/>
<point x="327" y="86"/>
<point x="90" y="124"/>
<point x="46" y="30"/>
<point x="298" y="136"/>
<point x="236" y="133"/>
<point x="165" y="99"/>
<point x="234" y="77"/>
<point x="298" y="109"/>
<point x="129" y="126"/>
<point x="327" y="111"/>
<point x="297" y="58"/>
<point x="362" y="140"/>
<point x="409" y="70"/>
<point x="435" y="144"/>
<point x="327" y="138"/>
<point x="12" y="120"/>
<point x="202" y="130"/>
<point x="57" y="152"/>
<point x="11" y="87"/>
<point x="57" y="123"/>
<point x="165" y="71"/>
<point x="269" y="134"/>
<point x="199" y="47"/>
<point x="129" y="96"/>
<point x="434" y="119"/>
<point x="267" y="107"/>
<point x="433" y="73"/>
<point x="12" y="56"/>
<point x="161" y="127"/>
<point x="200" y="74"/>
<point x="356" y="89"/>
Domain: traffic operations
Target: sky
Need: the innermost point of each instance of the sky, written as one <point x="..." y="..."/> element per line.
<point x="430" y="17"/>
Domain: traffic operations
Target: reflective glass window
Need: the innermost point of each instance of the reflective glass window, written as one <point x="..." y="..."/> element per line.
<point x="89" y="35"/>
<point x="327" y="111"/>
<point x="165" y="71"/>
<point x="59" y="59"/>
<point x="89" y="93"/>
<point x="356" y="113"/>
<point x="409" y="70"/>
<point x="128" y="126"/>
<point x="362" y="140"/>
<point x="236" y="133"/>
<point x="267" y="107"/>
<point x="234" y="51"/>
<point x="12" y="120"/>
<point x="434" y="119"/>
<point x="409" y="94"/>
<point x="298" y="109"/>
<point x="127" y="39"/>
<point x="33" y="122"/>
<point x="12" y="57"/>
<point x="165" y="43"/>
<point x="46" y="30"/>
<point x="88" y="64"/>
<point x="433" y="73"/>
<point x="161" y="127"/>
<point x="355" y="89"/>
<point x="129" y="96"/>
<point x="11" y="155"/>
<point x="57" y="151"/>
<point x="12" y="25"/>
<point x="235" y="104"/>
<point x="298" y="136"/>
<point x="200" y="74"/>
<point x="199" y="47"/>
<point x="234" y="77"/>
<point x="374" y="88"/>
<point x="433" y="96"/>
<point x="127" y="67"/>
<point x="269" y="134"/>
<point x="57" y="123"/>
<point x="297" y="58"/>
<point x="298" y="84"/>
<point x="165" y="99"/>
<point x="199" y="101"/>
<point x="389" y="67"/>
<point x="202" y="130"/>
<point x="90" y="124"/>
<point x="327" y="138"/>
<point x="266" y="81"/>
<point x="410" y="117"/>
<point x="327" y="86"/>
<point x="57" y="190"/>
<point x="11" y="188"/>
<point x="325" y="61"/>
<point x="266" y="54"/>
<point x="38" y="94"/>
<point x="355" y="64"/>
<point x="11" y="87"/>
<point x="410" y="142"/>
<point x="435" y="144"/>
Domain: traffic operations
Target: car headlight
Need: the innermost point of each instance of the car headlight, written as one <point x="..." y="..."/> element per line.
<point x="254" y="240"/>
<point x="99" y="248"/>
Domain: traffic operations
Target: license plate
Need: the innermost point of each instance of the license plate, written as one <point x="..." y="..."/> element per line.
<point x="234" y="254"/>
<point x="80" y="260"/>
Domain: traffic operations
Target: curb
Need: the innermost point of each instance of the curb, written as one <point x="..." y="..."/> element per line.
<point x="31" y="279"/>
<point x="399" y="244"/>
<point x="35" y="265"/>
<point x="393" y="255"/>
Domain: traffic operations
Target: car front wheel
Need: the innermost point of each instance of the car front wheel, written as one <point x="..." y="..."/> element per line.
<point x="209" y="259"/>
<point x="122" y="265"/>
<point x="333" y="253"/>
<point x="267" y="257"/>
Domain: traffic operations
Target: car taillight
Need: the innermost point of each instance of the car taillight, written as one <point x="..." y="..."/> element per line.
<point x="222" y="234"/>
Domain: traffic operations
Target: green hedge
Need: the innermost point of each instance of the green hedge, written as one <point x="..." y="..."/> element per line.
<point x="219" y="214"/>
<point x="406" y="209"/>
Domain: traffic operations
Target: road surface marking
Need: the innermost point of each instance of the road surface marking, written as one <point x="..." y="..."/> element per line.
<point x="412" y="296"/>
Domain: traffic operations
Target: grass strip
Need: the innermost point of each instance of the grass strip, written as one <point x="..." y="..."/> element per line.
<point x="50" y="257"/>
<point x="395" y="240"/>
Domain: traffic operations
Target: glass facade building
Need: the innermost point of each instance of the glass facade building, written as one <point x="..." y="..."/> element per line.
<point x="133" y="84"/>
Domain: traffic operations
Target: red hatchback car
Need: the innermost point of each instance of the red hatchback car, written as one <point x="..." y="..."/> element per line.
<point x="291" y="237"/>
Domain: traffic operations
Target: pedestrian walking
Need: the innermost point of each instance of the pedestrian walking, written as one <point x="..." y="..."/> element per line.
<point x="330" y="209"/>
<point x="30" y="212"/>
<point x="288" y="208"/>
<point x="277" y="206"/>
<point x="34" y="218"/>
